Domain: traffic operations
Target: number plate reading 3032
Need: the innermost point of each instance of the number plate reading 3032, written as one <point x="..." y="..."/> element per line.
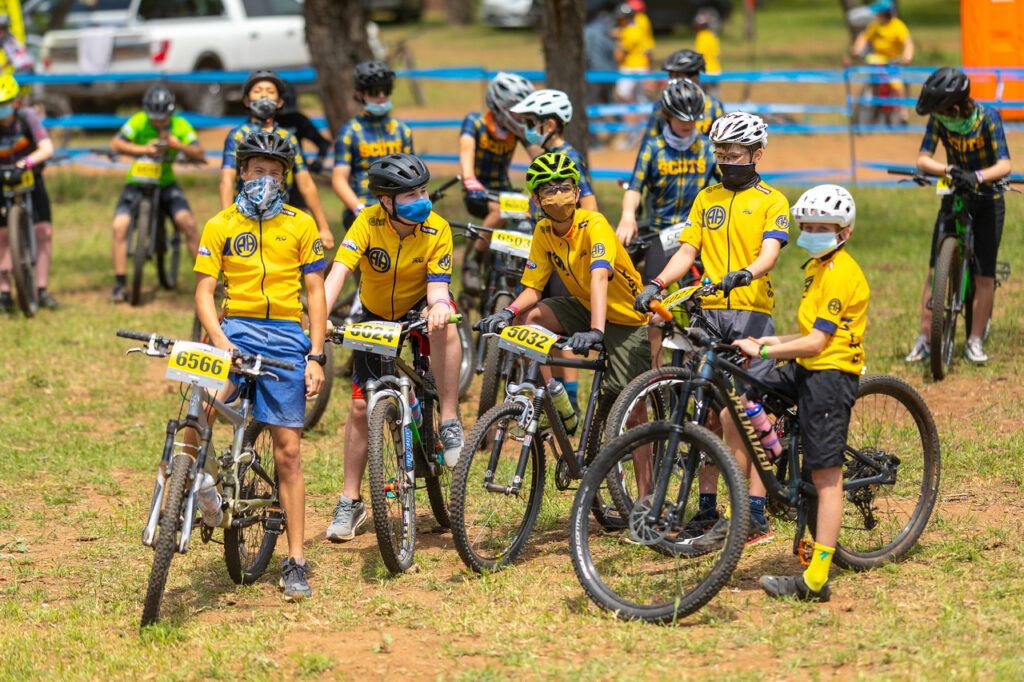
<point x="513" y="243"/>
<point x="528" y="340"/>
<point x="376" y="337"/>
<point x="199" y="364"/>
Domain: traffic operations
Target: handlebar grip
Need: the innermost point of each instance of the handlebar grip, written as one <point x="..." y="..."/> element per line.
<point x="265" y="361"/>
<point x="137" y="336"/>
<point x="455" y="318"/>
<point x="660" y="310"/>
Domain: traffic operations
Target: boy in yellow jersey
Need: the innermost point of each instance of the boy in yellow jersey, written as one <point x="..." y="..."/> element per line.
<point x="404" y="251"/>
<point x="829" y="353"/>
<point x="707" y="44"/>
<point x="738" y="227"/>
<point x="266" y="250"/>
<point x="581" y="246"/>
<point x="889" y="41"/>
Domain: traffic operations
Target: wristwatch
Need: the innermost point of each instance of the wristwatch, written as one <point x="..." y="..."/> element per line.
<point x="319" y="359"/>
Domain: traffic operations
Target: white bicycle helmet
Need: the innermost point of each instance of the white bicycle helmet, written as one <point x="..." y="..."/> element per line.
<point x="740" y="128"/>
<point x="829" y="204"/>
<point x="545" y="103"/>
<point x="503" y="92"/>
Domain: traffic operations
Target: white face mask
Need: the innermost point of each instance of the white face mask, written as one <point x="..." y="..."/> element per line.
<point x="818" y="244"/>
<point x="676" y="142"/>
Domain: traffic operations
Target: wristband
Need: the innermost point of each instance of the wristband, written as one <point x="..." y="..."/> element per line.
<point x="442" y="300"/>
<point x="980" y="179"/>
<point x="28" y="161"/>
<point x="359" y="207"/>
<point x="514" y="309"/>
<point x="764" y="352"/>
<point x="659" y="281"/>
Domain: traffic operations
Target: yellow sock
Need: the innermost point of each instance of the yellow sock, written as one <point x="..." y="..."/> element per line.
<point x="816" y="574"/>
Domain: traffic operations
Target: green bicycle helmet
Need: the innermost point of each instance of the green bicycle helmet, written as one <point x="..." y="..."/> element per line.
<point x="548" y="167"/>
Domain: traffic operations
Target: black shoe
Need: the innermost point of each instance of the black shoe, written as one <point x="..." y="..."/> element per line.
<point x="46" y="300"/>
<point x="119" y="294"/>
<point x="714" y="538"/>
<point x="699" y="524"/>
<point x="794" y="586"/>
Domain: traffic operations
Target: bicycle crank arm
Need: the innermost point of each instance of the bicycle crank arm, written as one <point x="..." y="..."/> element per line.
<point x="505" y="490"/>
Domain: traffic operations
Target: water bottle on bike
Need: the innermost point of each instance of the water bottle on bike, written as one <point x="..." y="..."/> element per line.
<point x="764" y="429"/>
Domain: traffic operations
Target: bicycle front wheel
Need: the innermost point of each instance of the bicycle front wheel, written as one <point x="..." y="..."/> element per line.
<point x="23" y="264"/>
<point x="392" y="490"/>
<point x="140" y="248"/>
<point x="490" y="525"/>
<point x="647" y="572"/>
<point x="167" y="537"/>
<point x="893" y="436"/>
<point x="494" y="358"/>
<point x="946" y="301"/>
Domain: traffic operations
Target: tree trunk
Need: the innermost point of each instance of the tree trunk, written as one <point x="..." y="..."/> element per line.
<point x="459" y="11"/>
<point x="336" y="36"/>
<point x="59" y="14"/>
<point x="565" y="62"/>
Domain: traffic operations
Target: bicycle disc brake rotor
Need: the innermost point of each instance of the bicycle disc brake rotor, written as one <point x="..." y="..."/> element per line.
<point x="639" y="527"/>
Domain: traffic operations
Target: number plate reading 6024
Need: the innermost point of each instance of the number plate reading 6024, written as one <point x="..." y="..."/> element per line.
<point x="529" y="340"/>
<point x="376" y="337"/>
<point x="199" y="364"/>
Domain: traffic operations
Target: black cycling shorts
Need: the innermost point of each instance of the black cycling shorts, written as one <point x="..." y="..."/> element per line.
<point x="989" y="213"/>
<point x="40" y="203"/>
<point x="172" y="200"/>
<point x="824" y="400"/>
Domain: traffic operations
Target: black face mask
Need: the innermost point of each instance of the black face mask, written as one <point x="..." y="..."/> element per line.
<point x="737" y="176"/>
<point x="264" y="108"/>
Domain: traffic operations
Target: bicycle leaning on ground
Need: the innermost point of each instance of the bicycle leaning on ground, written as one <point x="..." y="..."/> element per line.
<point x="244" y="474"/>
<point x="890" y="483"/>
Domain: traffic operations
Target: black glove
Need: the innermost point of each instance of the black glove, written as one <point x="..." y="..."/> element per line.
<point x="581" y="342"/>
<point x="492" y="324"/>
<point x="316" y="165"/>
<point x="963" y="178"/>
<point x="643" y="300"/>
<point x="736" y="278"/>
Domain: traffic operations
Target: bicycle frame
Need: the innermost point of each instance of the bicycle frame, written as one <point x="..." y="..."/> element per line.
<point x="22" y="196"/>
<point x="963" y="231"/>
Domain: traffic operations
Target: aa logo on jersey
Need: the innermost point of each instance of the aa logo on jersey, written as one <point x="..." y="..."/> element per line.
<point x="782" y="221"/>
<point x="379" y="259"/>
<point x="714" y="217"/>
<point x="834" y="306"/>
<point x="318" y="247"/>
<point x="597" y="251"/>
<point x="245" y="244"/>
<point x="445" y="263"/>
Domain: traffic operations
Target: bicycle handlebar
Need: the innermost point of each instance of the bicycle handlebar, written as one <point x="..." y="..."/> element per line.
<point x="337" y="334"/>
<point x="247" y="358"/>
<point x="438" y="193"/>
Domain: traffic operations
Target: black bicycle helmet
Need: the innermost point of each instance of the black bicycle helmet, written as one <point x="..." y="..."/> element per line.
<point x="272" y="145"/>
<point x="685" y="61"/>
<point x="262" y="75"/>
<point x="397" y="173"/>
<point x="944" y="88"/>
<point x="683" y="99"/>
<point x="158" y="102"/>
<point x="374" y="75"/>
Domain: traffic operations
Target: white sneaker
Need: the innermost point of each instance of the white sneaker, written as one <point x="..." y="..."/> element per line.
<point x="974" y="352"/>
<point x="920" y="351"/>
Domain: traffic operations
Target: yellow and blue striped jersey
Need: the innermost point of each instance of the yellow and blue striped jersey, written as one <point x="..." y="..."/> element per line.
<point x="493" y="154"/>
<point x="236" y="136"/>
<point x="980" y="148"/>
<point x="365" y="139"/>
<point x="672" y="178"/>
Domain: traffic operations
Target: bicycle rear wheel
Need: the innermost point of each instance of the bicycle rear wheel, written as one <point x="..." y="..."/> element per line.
<point x="945" y="304"/>
<point x="140" y="248"/>
<point x="168" y="254"/>
<point x="23" y="264"/>
<point x="645" y="573"/>
<point x="891" y="433"/>
<point x="465" y="329"/>
<point x="392" y="494"/>
<point x="439" y="487"/>
<point x="167" y="538"/>
<point x="491" y="527"/>
<point x="249" y="547"/>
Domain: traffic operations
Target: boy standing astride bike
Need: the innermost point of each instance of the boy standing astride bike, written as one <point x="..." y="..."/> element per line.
<point x="262" y="96"/>
<point x="738" y="227"/>
<point x="829" y="354"/>
<point x="367" y="138"/>
<point x="976" y="155"/>
<point x="25" y="142"/>
<point x="158" y="132"/>
<point x="266" y="250"/>
<point x="404" y="251"/>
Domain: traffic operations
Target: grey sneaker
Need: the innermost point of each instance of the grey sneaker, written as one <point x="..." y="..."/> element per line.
<point x="714" y="538"/>
<point x="974" y="351"/>
<point x="348" y="516"/>
<point x="46" y="300"/>
<point x="920" y="350"/>
<point x="794" y="586"/>
<point x="119" y="294"/>
<point x="294" y="580"/>
<point x="452" y="440"/>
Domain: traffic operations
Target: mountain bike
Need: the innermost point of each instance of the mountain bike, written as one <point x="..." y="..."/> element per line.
<point x="400" y="450"/>
<point x="890" y="482"/>
<point x="17" y="184"/>
<point x="953" y="283"/>
<point x="244" y="472"/>
<point x="870" y="106"/>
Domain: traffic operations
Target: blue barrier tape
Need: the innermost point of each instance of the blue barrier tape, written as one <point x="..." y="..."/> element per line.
<point x="303" y="75"/>
<point x="618" y="109"/>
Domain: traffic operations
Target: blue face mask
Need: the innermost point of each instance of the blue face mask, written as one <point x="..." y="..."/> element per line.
<point x="375" y="109"/>
<point x="260" y="198"/>
<point x="819" y="243"/>
<point x="415" y="212"/>
<point x="534" y="137"/>
<point x="6" y="110"/>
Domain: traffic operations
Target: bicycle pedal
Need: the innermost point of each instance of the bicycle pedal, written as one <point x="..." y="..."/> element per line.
<point x="805" y="551"/>
<point x="276" y="521"/>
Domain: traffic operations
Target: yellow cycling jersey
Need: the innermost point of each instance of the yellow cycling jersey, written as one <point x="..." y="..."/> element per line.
<point x="263" y="261"/>
<point x="588" y="245"/>
<point x="836" y="302"/>
<point x="636" y="43"/>
<point x="395" y="269"/>
<point x="710" y="47"/>
<point x="727" y="228"/>
<point x="887" y="39"/>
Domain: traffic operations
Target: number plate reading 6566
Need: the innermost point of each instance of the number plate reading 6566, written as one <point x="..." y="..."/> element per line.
<point x="529" y="340"/>
<point x="199" y="364"/>
<point x="376" y="337"/>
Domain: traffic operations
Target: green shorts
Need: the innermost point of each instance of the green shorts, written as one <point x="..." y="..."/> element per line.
<point x="629" y="350"/>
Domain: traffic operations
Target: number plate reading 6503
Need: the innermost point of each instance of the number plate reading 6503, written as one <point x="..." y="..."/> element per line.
<point x="199" y="364"/>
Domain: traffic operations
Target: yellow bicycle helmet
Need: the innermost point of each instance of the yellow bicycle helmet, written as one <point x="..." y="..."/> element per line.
<point x="8" y="88"/>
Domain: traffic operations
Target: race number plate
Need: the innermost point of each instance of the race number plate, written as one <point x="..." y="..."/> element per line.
<point x="513" y="243"/>
<point x="199" y="364"/>
<point x="28" y="180"/>
<point x="669" y="238"/>
<point x="514" y="205"/>
<point x="145" y="172"/>
<point x="680" y="296"/>
<point x="528" y="340"/>
<point x="375" y="337"/>
<point x="943" y="186"/>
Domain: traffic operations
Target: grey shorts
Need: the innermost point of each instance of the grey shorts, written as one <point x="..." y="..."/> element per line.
<point x="739" y="324"/>
<point x="172" y="200"/>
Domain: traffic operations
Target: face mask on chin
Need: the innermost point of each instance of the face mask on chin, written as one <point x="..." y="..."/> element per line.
<point x="679" y="143"/>
<point x="737" y="176"/>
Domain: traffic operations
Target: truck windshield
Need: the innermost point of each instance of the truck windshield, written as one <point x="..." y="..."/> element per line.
<point x="272" y="8"/>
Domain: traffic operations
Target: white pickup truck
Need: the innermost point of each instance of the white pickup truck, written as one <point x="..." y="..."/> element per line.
<point x="177" y="36"/>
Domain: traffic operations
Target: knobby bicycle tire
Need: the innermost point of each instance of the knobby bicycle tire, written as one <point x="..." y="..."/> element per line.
<point x="23" y="267"/>
<point x="167" y="539"/>
<point x="140" y="249"/>
<point x="945" y="292"/>
<point x="167" y="250"/>
<point x="248" y="550"/>
<point x="469" y="496"/>
<point x="394" y="512"/>
<point x="439" y="488"/>
<point x="904" y="428"/>
<point x="605" y="511"/>
<point x="492" y="381"/>
<point x="668" y="584"/>
<point x="315" y="407"/>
